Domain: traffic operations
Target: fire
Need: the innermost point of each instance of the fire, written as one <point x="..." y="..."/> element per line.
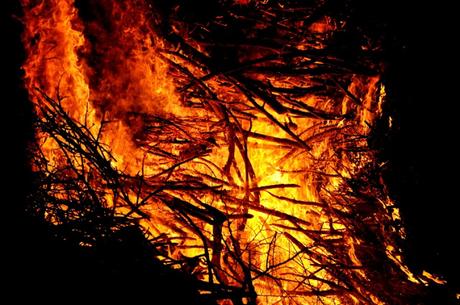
<point x="265" y="189"/>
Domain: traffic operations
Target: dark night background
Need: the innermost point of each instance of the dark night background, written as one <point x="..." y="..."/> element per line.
<point x="422" y="174"/>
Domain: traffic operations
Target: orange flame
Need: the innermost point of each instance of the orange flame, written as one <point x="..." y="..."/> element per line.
<point x="283" y="173"/>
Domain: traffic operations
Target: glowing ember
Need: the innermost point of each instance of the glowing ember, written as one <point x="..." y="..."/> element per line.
<point x="260" y="176"/>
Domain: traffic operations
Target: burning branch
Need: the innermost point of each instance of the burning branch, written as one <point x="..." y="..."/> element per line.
<point x="238" y="144"/>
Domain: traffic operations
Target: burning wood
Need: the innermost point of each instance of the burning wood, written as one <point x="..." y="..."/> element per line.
<point x="237" y="142"/>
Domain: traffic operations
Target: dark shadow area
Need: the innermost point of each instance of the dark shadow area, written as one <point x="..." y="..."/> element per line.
<point x="420" y="147"/>
<point x="420" y="63"/>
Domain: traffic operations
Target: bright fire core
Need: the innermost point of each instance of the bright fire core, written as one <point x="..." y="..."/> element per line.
<point x="250" y="177"/>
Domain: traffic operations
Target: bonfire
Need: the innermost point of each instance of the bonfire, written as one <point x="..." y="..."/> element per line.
<point x="236" y="137"/>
